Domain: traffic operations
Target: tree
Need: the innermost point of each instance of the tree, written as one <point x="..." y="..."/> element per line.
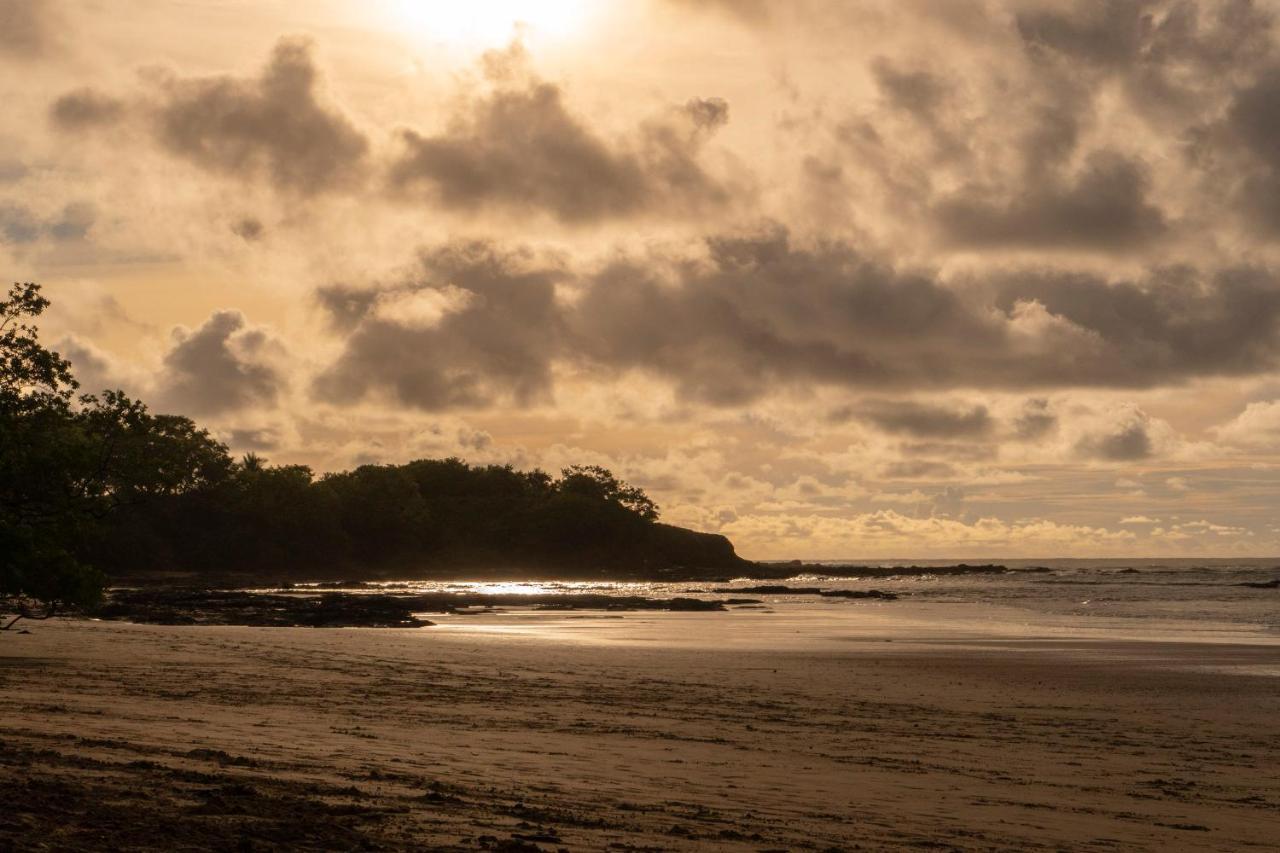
<point x="382" y="512"/>
<point x="69" y="464"/>
<point x="44" y="455"/>
<point x="600" y="483"/>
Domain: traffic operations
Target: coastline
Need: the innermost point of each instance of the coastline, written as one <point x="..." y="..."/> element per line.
<point x="464" y="740"/>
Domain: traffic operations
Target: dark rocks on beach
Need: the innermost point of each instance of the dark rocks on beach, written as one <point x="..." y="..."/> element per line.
<point x="693" y="604"/>
<point x="850" y="593"/>
<point x="786" y="570"/>
<point x="771" y="589"/>
<point x="208" y="607"/>
<point x="169" y="606"/>
<point x="777" y="589"/>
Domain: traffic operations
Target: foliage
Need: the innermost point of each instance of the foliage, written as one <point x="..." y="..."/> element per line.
<point x="93" y="484"/>
<point x="67" y="463"/>
<point x="599" y="483"/>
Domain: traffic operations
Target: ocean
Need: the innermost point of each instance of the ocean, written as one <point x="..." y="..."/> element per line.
<point x="1171" y="600"/>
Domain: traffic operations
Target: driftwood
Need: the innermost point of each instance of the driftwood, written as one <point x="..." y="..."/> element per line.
<point x="24" y="610"/>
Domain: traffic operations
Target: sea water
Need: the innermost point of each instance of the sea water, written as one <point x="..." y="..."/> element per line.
<point x="1172" y="600"/>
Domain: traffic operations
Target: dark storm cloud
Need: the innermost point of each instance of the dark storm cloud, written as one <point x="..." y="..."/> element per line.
<point x="522" y="150"/>
<point x="345" y="307"/>
<point x="1106" y="32"/>
<point x="758" y="313"/>
<point x="918" y="92"/>
<point x="73" y="223"/>
<point x="917" y="469"/>
<point x="1105" y="207"/>
<point x="925" y="98"/>
<point x="1170" y="56"/>
<point x="85" y="108"/>
<point x="764" y="313"/>
<point x="492" y="339"/>
<point x="1254" y="120"/>
<point x="19" y="224"/>
<point x="1174" y="324"/>
<point x="27" y="27"/>
<point x="253" y="439"/>
<point x="1012" y="153"/>
<point x="926" y="421"/>
<point x="1036" y="420"/>
<point x="220" y="367"/>
<point x="1124" y="34"/>
<point x="93" y="370"/>
<point x="1255" y="116"/>
<point x="248" y="228"/>
<point x="274" y="126"/>
<point x="970" y="452"/>
<point x="1126" y="443"/>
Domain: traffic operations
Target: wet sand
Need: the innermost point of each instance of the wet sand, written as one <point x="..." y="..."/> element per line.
<point x="653" y="731"/>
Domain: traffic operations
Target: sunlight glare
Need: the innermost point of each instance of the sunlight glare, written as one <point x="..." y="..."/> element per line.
<point x="491" y="21"/>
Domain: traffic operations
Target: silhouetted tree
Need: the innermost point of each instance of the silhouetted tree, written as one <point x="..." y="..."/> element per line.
<point x="42" y="450"/>
<point x="381" y="511"/>
<point x="99" y="482"/>
<point x="67" y="463"/>
<point x="600" y="483"/>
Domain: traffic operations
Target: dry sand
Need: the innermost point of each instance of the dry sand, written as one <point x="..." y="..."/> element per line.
<point x="127" y="736"/>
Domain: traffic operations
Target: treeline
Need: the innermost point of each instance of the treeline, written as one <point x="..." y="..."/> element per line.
<point x="92" y="486"/>
<point x="430" y="514"/>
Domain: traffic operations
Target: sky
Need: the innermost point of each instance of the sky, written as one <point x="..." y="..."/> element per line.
<point x="836" y="278"/>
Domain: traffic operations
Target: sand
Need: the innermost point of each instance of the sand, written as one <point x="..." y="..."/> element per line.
<point x="661" y="732"/>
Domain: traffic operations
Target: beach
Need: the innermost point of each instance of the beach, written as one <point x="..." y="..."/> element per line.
<point x="740" y="730"/>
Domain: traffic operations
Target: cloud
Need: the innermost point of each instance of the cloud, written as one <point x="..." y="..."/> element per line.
<point x="1035" y="420"/>
<point x="760" y="312"/>
<point x="1173" y="324"/>
<point x="749" y="11"/>
<point x="12" y="169"/>
<point x="519" y="149"/>
<point x="1153" y="41"/>
<point x="1204" y="71"/>
<point x="19" y="224"/>
<point x="765" y="311"/>
<point x="1104" y="32"/>
<point x="926" y="421"/>
<point x="918" y="469"/>
<point x="85" y="108"/>
<point x="888" y="533"/>
<point x="1127" y="438"/>
<point x="28" y="28"/>
<point x="475" y="326"/>
<point x="94" y="369"/>
<point x="1253" y="121"/>
<point x="272" y="127"/>
<point x="753" y="314"/>
<point x="248" y="228"/>
<point x="1203" y="527"/>
<point x="1104" y="206"/>
<point x="221" y="367"/>
<point x="1258" y="426"/>
<point x="252" y="439"/>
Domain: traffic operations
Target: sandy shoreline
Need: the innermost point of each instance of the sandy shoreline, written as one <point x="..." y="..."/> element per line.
<point x="252" y="738"/>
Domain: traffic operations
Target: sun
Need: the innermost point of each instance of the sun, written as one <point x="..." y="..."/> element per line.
<point x="490" y="21"/>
